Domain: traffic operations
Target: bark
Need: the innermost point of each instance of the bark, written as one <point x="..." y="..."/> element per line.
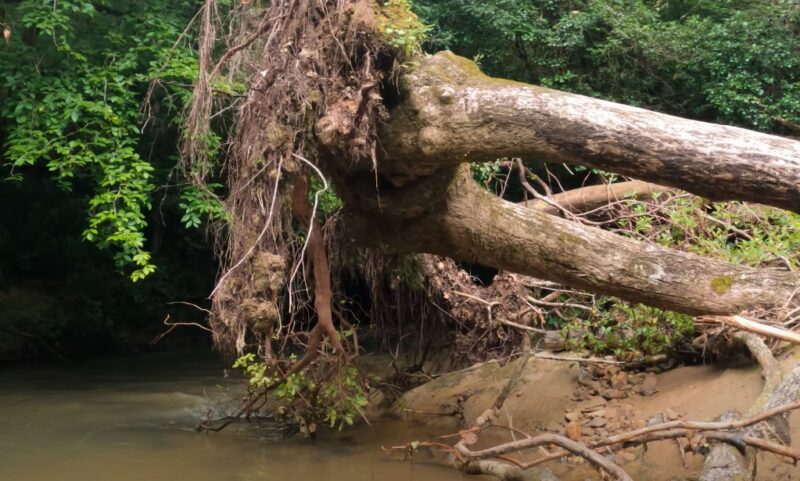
<point x="448" y="214"/>
<point x="323" y="295"/>
<point x="589" y="198"/>
<point x="451" y="113"/>
<point x="507" y="472"/>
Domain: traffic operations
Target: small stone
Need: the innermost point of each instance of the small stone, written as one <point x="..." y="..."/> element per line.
<point x="572" y="416"/>
<point x="650" y="381"/>
<point x="595" y="414"/>
<point x="670" y="414"/>
<point x="620" y="379"/>
<point x="629" y="456"/>
<point x="592" y="403"/>
<point x="639" y="423"/>
<point x="573" y="430"/>
<point x="611" y="413"/>
<point x="636" y="378"/>
<point x="598" y="422"/>
<point x="647" y="391"/>
<point x="613" y="394"/>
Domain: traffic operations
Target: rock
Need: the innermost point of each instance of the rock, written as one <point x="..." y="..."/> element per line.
<point x="636" y="378"/>
<point x="597" y="422"/>
<point x="611" y="413"/>
<point x="572" y="416"/>
<point x="594" y="387"/>
<point x="592" y="403"/>
<point x="619" y="380"/>
<point x="647" y="391"/>
<point x="625" y="457"/>
<point x="650" y="381"/>
<point x="613" y="394"/>
<point x="670" y="414"/>
<point x="639" y="423"/>
<point x="595" y="414"/>
<point x="573" y="430"/>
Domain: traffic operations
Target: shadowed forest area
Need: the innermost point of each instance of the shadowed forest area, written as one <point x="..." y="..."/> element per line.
<point x="520" y="240"/>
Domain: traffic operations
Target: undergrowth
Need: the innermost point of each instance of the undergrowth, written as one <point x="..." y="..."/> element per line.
<point x="736" y="232"/>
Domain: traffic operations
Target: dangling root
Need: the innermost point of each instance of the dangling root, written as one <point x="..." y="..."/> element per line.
<point x="322" y="279"/>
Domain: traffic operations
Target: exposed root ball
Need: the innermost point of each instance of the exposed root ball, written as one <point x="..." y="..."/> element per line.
<point x="313" y="69"/>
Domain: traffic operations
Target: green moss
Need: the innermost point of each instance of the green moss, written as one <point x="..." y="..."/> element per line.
<point x="409" y="271"/>
<point x="721" y="284"/>
<point x="460" y="70"/>
<point x="401" y="28"/>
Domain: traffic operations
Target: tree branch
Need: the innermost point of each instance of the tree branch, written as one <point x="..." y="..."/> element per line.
<point x="453" y="113"/>
<point x="449" y="214"/>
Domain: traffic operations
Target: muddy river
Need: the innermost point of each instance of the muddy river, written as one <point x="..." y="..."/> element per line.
<point x="133" y="419"/>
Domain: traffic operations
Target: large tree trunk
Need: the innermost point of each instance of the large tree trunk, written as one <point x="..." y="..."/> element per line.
<point x="450" y="215"/>
<point x="450" y="112"/>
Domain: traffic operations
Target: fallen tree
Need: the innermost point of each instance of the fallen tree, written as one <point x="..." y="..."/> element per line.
<point x="334" y="94"/>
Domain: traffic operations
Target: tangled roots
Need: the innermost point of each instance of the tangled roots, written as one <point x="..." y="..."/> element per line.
<point x="313" y="69"/>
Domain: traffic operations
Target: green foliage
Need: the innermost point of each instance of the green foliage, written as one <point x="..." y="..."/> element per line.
<point x="733" y="231"/>
<point x="485" y="172"/>
<point x="62" y="291"/>
<point x="628" y="331"/>
<point x="728" y="61"/>
<point x="328" y="202"/>
<point x="344" y="397"/>
<point x="409" y="271"/>
<point x="401" y="28"/>
<point x="201" y="205"/>
<point x="336" y="400"/>
<point x="73" y="77"/>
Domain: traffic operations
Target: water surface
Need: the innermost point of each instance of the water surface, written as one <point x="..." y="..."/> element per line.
<point x="132" y="419"/>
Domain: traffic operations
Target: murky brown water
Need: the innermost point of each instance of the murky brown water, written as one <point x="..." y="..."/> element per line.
<point x="132" y="420"/>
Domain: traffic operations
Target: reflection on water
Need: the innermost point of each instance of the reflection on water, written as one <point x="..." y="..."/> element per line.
<point x="133" y="419"/>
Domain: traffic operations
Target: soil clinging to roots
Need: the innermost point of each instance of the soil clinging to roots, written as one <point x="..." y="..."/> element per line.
<point x="313" y="68"/>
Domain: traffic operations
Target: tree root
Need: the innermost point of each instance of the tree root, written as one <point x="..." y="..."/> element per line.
<point x="724" y="464"/>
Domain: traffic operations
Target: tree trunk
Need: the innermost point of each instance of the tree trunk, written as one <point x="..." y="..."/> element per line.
<point x="448" y="214"/>
<point x="450" y="113"/>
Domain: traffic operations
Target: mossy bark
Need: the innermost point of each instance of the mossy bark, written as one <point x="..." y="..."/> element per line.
<point x="453" y="113"/>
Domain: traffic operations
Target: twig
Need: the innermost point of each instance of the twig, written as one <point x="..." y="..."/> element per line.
<point x="757" y="328"/>
<point x="565" y="443"/>
<point x="589" y="360"/>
